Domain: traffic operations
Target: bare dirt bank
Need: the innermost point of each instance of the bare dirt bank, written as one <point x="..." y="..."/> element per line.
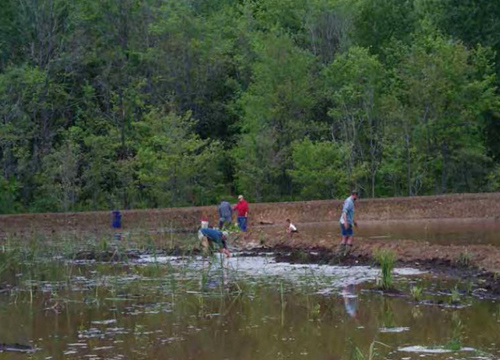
<point x="459" y="206"/>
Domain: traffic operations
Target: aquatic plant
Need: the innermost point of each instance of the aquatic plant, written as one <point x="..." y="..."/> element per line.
<point x="372" y="352"/>
<point x="455" y="295"/>
<point x="233" y="228"/>
<point x="455" y="341"/>
<point x="283" y="304"/>
<point x="464" y="259"/>
<point x="302" y="256"/>
<point x="8" y="259"/>
<point x="469" y="286"/>
<point x="387" y="261"/>
<point x="262" y="240"/>
<point x="416" y="292"/>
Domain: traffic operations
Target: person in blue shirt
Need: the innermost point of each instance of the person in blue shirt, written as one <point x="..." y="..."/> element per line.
<point x="346" y="224"/>
<point x="214" y="237"/>
<point x="225" y="214"/>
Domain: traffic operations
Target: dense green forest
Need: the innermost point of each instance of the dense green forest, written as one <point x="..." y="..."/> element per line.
<point x="157" y="103"/>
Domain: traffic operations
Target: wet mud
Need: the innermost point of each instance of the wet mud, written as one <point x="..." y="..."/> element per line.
<point x="479" y="264"/>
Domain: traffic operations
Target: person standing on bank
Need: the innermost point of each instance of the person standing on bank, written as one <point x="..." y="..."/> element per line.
<point x="225" y="214"/>
<point x="346" y="224"/>
<point x="242" y="208"/>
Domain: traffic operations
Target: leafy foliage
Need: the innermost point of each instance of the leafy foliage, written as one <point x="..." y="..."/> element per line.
<point x="132" y="104"/>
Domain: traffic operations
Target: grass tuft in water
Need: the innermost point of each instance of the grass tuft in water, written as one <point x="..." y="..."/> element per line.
<point x="464" y="259"/>
<point x="455" y="295"/>
<point x="416" y="292"/>
<point x="455" y="342"/>
<point x="372" y="352"/>
<point x="387" y="261"/>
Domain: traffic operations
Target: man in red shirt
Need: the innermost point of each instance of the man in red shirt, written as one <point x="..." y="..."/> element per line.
<point x="242" y="208"/>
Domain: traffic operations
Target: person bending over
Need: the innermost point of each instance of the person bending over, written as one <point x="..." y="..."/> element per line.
<point x="290" y="228"/>
<point x="213" y="237"/>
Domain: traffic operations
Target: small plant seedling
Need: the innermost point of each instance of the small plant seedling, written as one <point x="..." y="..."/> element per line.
<point x="455" y="296"/>
<point x="416" y="292"/>
<point x="262" y="240"/>
<point x="469" y="287"/>
<point x="372" y="352"/>
<point x="464" y="259"/>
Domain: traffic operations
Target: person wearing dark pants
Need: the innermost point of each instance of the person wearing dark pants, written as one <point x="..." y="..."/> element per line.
<point x="242" y="208"/>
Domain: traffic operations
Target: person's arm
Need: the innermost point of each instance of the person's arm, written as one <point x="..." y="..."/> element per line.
<point x="345" y="208"/>
<point x="344" y="217"/>
<point x="224" y="249"/>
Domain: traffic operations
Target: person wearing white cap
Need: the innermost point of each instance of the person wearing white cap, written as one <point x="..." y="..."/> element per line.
<point x="215" y="237"/>
<point x="242" y="208"/>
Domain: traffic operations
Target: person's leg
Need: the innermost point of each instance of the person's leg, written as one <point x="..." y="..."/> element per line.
<point x="240" y="222"/>
<point x="349" y="239"/>
<point x="244" y="224"/>
<point x="204" y="246"/>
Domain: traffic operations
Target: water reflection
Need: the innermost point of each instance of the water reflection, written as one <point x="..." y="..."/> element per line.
<point x="350" y="301"/>
<point x="214" y="274"/>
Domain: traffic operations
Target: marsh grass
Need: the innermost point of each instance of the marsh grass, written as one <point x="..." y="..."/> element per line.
<point x="387" y="261"/>
<point x="455" y="296"/>
<point x="455" y="341"/>
<point x="416" y="292"/>
<point x="372" y="351"/>
<point x="464" y="259"/>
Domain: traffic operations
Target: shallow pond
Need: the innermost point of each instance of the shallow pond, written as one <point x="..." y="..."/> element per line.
<point x="442" y="231"/>
<point x="244" y="308"/>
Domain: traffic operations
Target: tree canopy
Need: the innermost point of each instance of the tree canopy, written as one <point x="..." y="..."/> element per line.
<point x="144" y="103"/>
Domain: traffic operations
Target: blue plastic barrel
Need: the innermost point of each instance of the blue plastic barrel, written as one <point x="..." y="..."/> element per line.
<point x="117" y="219"/>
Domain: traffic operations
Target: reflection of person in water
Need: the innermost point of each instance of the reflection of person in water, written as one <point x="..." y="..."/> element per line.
<point x="350" y="301"/>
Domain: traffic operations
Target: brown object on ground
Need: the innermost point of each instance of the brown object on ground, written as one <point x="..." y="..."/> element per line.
<point x="266" y="222"/>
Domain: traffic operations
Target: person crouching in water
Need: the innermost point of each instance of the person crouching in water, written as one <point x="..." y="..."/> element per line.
<point x="211" y="237"/>
<point x="290" y="228"/>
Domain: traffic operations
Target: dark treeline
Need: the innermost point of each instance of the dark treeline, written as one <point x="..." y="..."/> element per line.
<point x="158" y="103"/>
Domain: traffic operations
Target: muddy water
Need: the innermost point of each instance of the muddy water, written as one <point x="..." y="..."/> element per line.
<point x="246" y="308"/>
<point x="442" y="232"/>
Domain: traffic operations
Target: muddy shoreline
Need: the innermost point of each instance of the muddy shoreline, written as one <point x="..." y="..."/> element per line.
<point x="486" y="284"/>
<point x="485" y="281"/>
<point x="479" y="264"/>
